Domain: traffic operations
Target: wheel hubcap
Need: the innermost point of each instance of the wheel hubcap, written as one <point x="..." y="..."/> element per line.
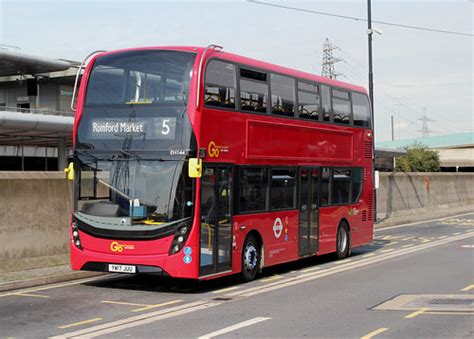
<point x="250" y="257"/>
<point x="342" y="240"/>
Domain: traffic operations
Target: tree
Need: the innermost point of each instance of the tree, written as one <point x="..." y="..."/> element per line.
<point x="418" y="159"/>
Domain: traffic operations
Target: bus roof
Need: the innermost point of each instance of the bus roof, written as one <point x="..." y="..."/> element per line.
<point x="251" y="63"/>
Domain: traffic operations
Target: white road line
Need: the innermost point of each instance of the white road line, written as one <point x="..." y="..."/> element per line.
<point x="234" y="327"/>
<point x="139" y="320"/>
<point x="226" y="289"/>
<point x="342" y="268"/>
<point x="50" y="287"/>
<point x="151" y="317"/>
<point x="420" y="222"/>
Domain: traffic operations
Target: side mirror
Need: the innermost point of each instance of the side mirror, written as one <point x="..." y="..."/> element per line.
<point x="69" y="171"/>
<point x="195" y="168"/>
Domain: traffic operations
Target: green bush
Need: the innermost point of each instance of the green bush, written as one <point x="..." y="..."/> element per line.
<point x="418" y="159"/>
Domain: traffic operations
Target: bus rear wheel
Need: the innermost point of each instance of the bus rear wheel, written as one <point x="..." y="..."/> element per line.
<point x="343" y="246"/>
<point x="250" y="258"/>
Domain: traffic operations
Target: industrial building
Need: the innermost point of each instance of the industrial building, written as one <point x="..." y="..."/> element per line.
<point x="35" y="115"/>
<point x="456" y="151"/>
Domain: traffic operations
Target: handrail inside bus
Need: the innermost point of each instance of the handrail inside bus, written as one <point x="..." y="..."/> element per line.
<point x="214" y="48"/>
<point x="79" y="73"/>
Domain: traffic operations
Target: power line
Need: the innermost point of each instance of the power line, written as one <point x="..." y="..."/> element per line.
<point x="419" y="28"/>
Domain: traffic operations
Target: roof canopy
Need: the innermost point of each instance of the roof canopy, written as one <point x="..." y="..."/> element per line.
<point x="12" y="63"/>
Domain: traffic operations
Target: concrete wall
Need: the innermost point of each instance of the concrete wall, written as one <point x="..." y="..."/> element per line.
<point x="34" y="218"/>
<point x="411" y="193"/>
<point x="35" y="210"/>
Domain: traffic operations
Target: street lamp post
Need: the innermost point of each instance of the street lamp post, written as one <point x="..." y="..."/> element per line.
<point x="371" y="96"/>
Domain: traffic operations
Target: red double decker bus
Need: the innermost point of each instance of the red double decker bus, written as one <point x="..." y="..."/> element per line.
<point x="196" y="163"/>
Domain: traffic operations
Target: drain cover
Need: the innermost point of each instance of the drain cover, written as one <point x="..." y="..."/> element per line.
<point x="451" y="302"/>
<point x="431" y="302"/>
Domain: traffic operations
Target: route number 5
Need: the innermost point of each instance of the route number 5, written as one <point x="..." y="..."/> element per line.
<point x="166" y="128"/>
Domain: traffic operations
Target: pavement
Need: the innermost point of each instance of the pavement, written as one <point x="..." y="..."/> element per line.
<point x="61" y="273"/>
<point x="413" y="280"/>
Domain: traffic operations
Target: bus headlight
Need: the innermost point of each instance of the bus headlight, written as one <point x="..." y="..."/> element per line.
<point x="180" y="236"/>
<point x="75" y="235"/>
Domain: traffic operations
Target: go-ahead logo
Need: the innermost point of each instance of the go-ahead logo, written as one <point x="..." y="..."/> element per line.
<point x="215" y="150"/>
<point x="117" y="247"/>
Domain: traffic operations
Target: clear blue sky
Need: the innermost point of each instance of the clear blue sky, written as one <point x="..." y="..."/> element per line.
<point x="412" y="69"/>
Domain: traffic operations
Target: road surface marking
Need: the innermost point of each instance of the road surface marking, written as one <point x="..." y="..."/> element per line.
<point x="408" y="245"/>
<point x="143" y="307"/>
<point x="338" y="269"/>
<point x="340" y="262"/>
<point x="368" y="255"/>
<point x="50" y="287"/>
<point x="122" y="303"/>
<point x="457" y="233"/>
<point x="443" y="237"/>
<point x="273" y="277"/>
<point x="226" y="290"/>
<point x="32" y="295"/>
<point x="150" y="317"/>
<point x="374" y="333"/>
<point x="421" y="222"/>
<point x="408" y="238"/>
<point x="393" y="242"/>
<point x="311" y="269"/>
<point x="149" y="307"/>
<point x="416" y="313"/>
<point x="468" y="288"/>
<point x="234" y="327"/>
<point x="387" y="250"/>
<point x="424" y="241"/>
<point x="80" y="323"/>
<point x="138" y="320"/>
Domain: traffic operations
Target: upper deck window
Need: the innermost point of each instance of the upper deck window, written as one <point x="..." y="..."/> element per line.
<point x="283" y="95"/>
<point x="140" y="77"/>
<point x="220" y="84"/>
<point x="253" y="91"/>
<point x="361" y="108"/>
<point x="326" y="102"/>
<point x="309" y="101"/>
<point x="341" y="107"/>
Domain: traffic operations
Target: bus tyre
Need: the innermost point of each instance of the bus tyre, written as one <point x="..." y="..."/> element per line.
<point x="343" y="243"/>
<point x="250" y="258"/>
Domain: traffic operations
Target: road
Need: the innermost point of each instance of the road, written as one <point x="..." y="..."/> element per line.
<point x="413" y="281"/>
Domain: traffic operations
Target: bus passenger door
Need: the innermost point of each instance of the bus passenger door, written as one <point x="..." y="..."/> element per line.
<point x="309" y="211"/>
<point x="216" y="219"/>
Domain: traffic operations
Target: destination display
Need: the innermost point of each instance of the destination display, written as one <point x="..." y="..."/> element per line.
<point x="142" y="128"/>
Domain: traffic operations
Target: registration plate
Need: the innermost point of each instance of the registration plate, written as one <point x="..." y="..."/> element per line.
<point x="122" y="268"/>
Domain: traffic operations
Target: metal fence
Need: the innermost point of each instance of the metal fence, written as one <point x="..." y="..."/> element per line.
<point x="44" y="111"/>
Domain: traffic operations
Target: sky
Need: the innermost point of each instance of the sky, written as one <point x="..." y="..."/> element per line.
<point x="414" y="71"/>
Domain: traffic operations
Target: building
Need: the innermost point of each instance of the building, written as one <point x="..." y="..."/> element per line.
<point x="35" y="115"/>
<point x="456" y="151"/>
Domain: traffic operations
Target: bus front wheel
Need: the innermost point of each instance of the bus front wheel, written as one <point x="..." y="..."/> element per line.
<point x="343" y="245"/>
<point x="250" y="258"/>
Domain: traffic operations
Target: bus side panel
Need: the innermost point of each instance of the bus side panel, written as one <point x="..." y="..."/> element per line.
<point x="329" y="218"/>
<point x="279" y="232"/>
